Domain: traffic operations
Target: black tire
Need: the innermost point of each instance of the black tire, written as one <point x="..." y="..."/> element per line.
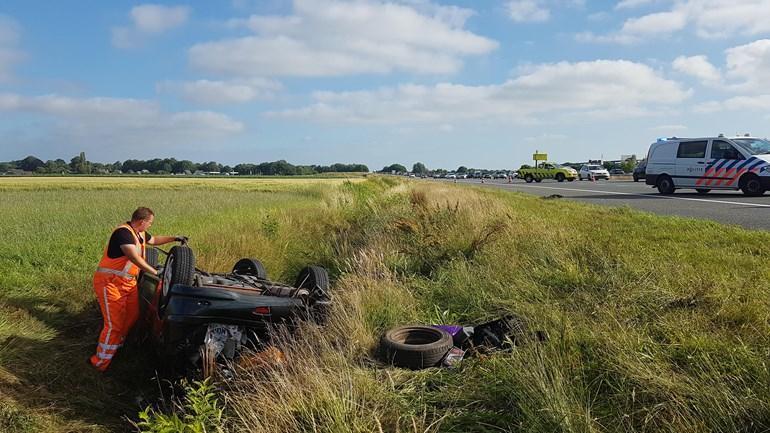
<point x="312" y="278"/>
<point x="572" y="179"/>
<point x="538" y="180"/>
<point x="751" y="185"/>
<point x="315" y="280"/>
<point x="528" y="178"/>
<point x="415" y="346"/>
<point x="151" y="256"/>
<point x="559" y="177"/>
<point x="665" y="185"/>
<point x="702" y="191"/>
<point x="636" y="178"/>
<point x="249" y="266"/>
<point x="179" y="269"/>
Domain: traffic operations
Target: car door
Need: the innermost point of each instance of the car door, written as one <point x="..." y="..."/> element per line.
<point x="690" y="163"/>
<point x="722" y="164"/>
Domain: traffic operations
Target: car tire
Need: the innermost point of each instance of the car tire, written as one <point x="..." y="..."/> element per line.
<point x="315" y="280"/>
<point x="702" y="191"/>
<point x="538" y="180"/>
<point x="179" y="269"/>
<point x="415" y="347"/>
<point x="151" y="256"/>
<point x="249" y="266"/>
<point x="559" y="177"/>
<point x="751" y="185"/>
<point x="636" y="178"/>
<point x="665" y="185"/>
<point x="572" y="179"/>
<point x="528" y="178"/>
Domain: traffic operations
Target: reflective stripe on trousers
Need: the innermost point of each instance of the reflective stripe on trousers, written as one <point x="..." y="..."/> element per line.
<point x="119" y="303"/>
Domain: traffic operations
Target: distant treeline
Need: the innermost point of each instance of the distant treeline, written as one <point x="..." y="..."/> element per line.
<point x="80" y="165"/>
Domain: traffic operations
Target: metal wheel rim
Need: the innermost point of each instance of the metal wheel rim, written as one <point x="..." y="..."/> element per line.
<point x="167" y="275"/>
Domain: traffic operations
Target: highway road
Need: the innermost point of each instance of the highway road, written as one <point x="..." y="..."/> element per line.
<point x="730" y="207"/>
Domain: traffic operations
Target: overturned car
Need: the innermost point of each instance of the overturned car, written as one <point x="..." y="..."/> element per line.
<point x="196" y="319"/>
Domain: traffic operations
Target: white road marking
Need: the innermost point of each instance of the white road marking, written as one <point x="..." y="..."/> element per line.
<point x="705" y="200"/>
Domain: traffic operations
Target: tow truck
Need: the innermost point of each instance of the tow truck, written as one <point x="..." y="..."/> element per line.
<point x="546" y="170"/>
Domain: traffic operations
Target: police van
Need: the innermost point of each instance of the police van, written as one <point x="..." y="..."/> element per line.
<point x="710" y="163"/>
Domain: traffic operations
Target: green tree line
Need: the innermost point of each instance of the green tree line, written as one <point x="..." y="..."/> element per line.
<point x="80" y="165"/>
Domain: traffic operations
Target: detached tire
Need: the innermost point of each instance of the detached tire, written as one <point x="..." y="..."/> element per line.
<point x="415" y="347"/>
<point x="249" y="266"/>
<point x="179" y="269"/>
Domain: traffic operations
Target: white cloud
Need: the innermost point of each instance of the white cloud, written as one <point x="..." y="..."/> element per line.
<point x="335" y="37"/>
<point x="10" y="55"/>
<point x="749" y="66"/>
<point x="122" y="122"/>
<point x="208" y="92"/>
<point x="698" y="67"/>
<point x="630" y="4"/>
<point x="148" y="19"/>
<point x="709" y="18"/>
<point x="527" y="11"/>
<point x="602" y="87"/>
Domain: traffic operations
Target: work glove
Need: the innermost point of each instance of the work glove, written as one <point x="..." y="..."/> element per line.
<point x="182" y="239"/>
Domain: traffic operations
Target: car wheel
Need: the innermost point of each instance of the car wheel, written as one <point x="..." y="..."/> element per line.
<point x="315" y="280"/>
<point x="702" y="191"/>
<point x="179" y="269"/>
<point x="559" y="177"/>
<point x="752" y="186"/>
<point x="538" y="180"/>
<point x="572" y="179"/>
<point x="249" y="266"/>
<point x="151" y="257"/>
<point x="528" y="178"/>
<point x="415" y="347"/>
<point x="665" y="185"/>
<point x="636" y="178"/>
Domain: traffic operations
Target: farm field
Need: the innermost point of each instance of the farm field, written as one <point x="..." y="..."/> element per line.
<point x="655" y="324"/>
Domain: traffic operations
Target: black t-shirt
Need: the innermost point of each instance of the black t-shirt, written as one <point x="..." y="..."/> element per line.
<point x="122" y="236"/>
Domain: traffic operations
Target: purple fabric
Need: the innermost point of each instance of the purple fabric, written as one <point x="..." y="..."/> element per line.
<point x="451" y="329"/>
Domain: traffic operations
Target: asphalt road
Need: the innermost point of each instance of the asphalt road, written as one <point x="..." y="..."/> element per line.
<point x="730" y="207"/>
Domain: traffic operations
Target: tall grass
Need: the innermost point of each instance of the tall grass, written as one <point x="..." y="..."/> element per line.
<point x="655" y="324"/>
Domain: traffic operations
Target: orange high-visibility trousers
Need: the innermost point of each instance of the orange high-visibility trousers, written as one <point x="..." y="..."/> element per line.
<point x="119" y="301"/>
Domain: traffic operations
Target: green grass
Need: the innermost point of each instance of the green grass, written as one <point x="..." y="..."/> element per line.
<point x="654" y="323"/>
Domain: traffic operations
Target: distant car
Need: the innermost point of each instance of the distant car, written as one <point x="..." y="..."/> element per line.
<point x="500" y="175"/>
<point x="451" y="176"/>
<point x="462" y="176"/>
<point x="617" y="171"/>
<point x="640" y="171"/>
<point x="592" y="171"/>
<point x="487" y="176"/>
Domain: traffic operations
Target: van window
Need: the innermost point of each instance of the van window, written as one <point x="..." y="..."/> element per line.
<point x="692" y="149"/>
<point x="724" y="150"/>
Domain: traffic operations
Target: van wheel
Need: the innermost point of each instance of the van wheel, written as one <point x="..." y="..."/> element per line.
<point x="702" y="191"/>
<point x="665" y="185"/>
<point x="528" y="178"/>
<point x="751" y="185"/>
<point x="559" y="177"/>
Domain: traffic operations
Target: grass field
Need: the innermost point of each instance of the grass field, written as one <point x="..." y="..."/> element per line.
<point x="654" y="323"/>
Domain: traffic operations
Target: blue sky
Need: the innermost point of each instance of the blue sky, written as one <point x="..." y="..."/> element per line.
<point x="481" y="84"/>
